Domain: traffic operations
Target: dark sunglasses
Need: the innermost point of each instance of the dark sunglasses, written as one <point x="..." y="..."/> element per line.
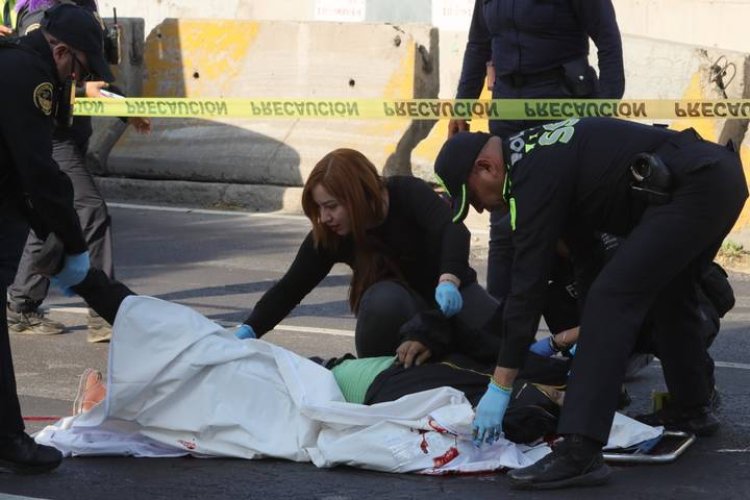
<point x="86" y="74"/>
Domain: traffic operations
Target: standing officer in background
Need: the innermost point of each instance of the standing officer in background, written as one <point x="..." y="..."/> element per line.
<point x="69" y="147"/>
<point x="38" y="72"/>
<point x="537" y="49"/>
<point x="674" y="196"/>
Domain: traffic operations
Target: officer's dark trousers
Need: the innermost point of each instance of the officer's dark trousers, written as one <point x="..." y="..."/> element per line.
<point x="657" y="265"/>
<point x="387" y="305"/>
<point x="13" y="231"/>
<point x="29" y="290"/>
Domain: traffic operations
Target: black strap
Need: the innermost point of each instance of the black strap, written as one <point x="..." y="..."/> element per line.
<point x="6" y="14"/>
<point x="521" y="80"/>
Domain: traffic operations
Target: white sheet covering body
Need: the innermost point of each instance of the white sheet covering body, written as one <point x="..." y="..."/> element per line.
<point x="178" y="383"/>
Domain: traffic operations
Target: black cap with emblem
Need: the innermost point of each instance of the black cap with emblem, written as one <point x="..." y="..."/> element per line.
<point x="80" y="29"/>
<point x="453" y="166"/>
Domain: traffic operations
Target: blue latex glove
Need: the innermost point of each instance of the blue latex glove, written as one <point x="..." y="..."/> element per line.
<point x="245" y="332"/>
<point x="543" y="347"/>
<point x="572" y="350"/>
<point x="448" y="298"/>
<point x="488" y="419"/>
<point x="74" y="270"/>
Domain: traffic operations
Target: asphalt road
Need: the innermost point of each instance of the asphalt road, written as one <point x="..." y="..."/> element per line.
<point x="220" y="264"/>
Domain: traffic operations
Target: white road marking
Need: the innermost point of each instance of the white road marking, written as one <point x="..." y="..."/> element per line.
<point x="261" y="215"/>
<point x="5" y="496"/>
<point x="727" y="364"/>
<point x="311" y="329"/>
<point x="69" y="310"/>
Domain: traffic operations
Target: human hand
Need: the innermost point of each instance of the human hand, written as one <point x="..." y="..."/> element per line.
<point x="245" y="331"/>
<point x="448" y="298"/>
<point x="142" y="125"/>
<point x="412" y="352"/>
<point x="456" y="126"/>
<point x="543" y="347"/>
<point x="94" y="89"/>
<point x="74" y="270"/>
<point x="488" y="417"/>
<point x="5" y="31"/>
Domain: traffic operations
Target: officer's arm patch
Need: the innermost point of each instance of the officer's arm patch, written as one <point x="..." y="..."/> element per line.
<point x="31" y="28"/>
<point x="43" y="97"/>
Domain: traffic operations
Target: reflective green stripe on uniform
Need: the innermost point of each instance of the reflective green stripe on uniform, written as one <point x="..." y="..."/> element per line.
<point x="8" y="13"/>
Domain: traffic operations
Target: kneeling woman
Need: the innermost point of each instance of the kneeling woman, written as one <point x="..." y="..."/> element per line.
<point x="397" y="236"/>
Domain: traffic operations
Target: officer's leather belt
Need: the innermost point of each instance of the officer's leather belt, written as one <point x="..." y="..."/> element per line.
<point x="522" y="80"/>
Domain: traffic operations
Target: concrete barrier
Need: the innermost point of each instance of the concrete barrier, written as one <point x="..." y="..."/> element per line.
<point x="129" y="77"/>
<point x="276" y="59"/>
<point x="213" y="58"/>
<point x="661" y="69"/>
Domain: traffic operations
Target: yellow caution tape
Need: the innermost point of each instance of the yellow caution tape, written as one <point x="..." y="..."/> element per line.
<point x="413" y="109"/>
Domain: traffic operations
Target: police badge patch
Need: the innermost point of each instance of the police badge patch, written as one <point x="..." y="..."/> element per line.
<point x="31" y="28"/>
<point x="43" y="97"/>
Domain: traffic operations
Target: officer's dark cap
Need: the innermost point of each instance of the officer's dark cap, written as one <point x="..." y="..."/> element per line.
<point x="453" y="166"/>
<point x="80" y="29"/>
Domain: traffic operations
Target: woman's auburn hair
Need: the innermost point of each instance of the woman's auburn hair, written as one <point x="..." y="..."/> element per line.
<point x="348" y="176"/>
<point x="354" y="182"/>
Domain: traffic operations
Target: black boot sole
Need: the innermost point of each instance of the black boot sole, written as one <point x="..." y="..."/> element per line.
<point x="596" y="477"/>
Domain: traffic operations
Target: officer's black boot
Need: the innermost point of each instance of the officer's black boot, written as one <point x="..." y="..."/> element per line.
<point x="21" y="454"/>
<point x="576" y="461"/>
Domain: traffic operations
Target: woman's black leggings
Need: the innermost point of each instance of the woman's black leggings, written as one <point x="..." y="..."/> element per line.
<point x="387" y="305"/>
<point x="102" y="293"/>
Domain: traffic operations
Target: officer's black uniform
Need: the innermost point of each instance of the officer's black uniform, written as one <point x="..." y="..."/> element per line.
<point x="69" y="147"/>
<point x="539" y="49"/>
<point x="572" y="178"/>
<point x="33" y="191"/>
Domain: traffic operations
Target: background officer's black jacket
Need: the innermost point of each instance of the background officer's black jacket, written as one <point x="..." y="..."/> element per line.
<point x="564" y="179"/>
<point x="29" y="178"/>
<point x="532" y="36"/>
